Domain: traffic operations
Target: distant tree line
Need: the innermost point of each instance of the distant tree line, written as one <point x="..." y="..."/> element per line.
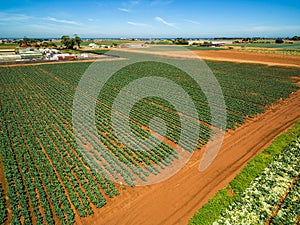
<point x="268" y="40"/>
<point x="295" y="38"/>
<point x="35" y="42"/>
<point x="66" y="41"/>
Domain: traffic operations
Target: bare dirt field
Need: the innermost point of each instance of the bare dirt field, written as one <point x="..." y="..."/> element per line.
<point x="249" y="57"/>
<point x="175" y="200"/>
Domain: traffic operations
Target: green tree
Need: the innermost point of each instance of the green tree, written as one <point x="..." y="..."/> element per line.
<point x="24" y="42"/>
<point x="180" y="41"/>
<point x="67" y="41"/>
<point x="70" y="42"/>
<point x="296" y="38"/>
<point x="279" y="41"/>
<point x="77" y="40"/>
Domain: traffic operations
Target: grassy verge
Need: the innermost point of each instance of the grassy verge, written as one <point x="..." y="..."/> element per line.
<point x="212" y="210"/>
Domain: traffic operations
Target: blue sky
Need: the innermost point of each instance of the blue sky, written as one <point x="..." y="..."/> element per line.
<point x="152" y="18"/>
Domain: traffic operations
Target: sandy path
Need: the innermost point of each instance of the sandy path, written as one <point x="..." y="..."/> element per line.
<point x="176" y="200"/>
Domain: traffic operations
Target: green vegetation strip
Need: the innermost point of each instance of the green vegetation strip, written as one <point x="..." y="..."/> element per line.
<point x="212" y="210"/>
<point x="3" y="210"/>
<point x="295" y="45"/>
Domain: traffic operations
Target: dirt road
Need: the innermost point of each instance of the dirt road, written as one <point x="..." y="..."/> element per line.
<point x="176" y="200"/>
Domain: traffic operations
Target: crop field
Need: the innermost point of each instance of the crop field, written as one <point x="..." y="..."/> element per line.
<point x="266" y="191"/>
<point x="47" y="180"/>
<point x="278" y="185"/>
<point x="279" y="51"/>
<point x="295" y="45"/>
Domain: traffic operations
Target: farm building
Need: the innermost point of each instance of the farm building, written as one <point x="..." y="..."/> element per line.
<point x="93" y="45"/>
<point x="64" y="56"/>
<point x="47" y="50"/>
<point x="9" y="58"/>
<point x="30" y="53"/>
<point x="8" y="55"/>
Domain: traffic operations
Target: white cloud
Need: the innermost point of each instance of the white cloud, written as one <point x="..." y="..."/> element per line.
<point x="137" y="24"/>
<point x="124" y="9"/>
<point x="62" y="21"/>
<point x="13" y="17"/>
<point x="161" y="20"/>
<point x="91" y="20"/>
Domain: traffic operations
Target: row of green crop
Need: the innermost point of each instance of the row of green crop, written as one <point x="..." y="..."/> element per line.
<point x="103" y="126"/>
<point x="295" y="45"/>
<point x="260" y="199"/>
<point x="3" y="210"/>
<point x="247" y="88"/>
<point x="19" y="179"/>
<point x="72" y="173"/>
<point x="218" y="205"/>
<point x="108" y="142"/>
<point x="67" y="134"/>
<point x="229" y="99"/>
<point x="94" y="141"/>
<point x="236" y="105"/>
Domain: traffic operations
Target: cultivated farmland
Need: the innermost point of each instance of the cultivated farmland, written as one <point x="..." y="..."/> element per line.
<point x="272" y="196"/>
<point x="265" y="189"/>
<point x="46" y="179"/>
